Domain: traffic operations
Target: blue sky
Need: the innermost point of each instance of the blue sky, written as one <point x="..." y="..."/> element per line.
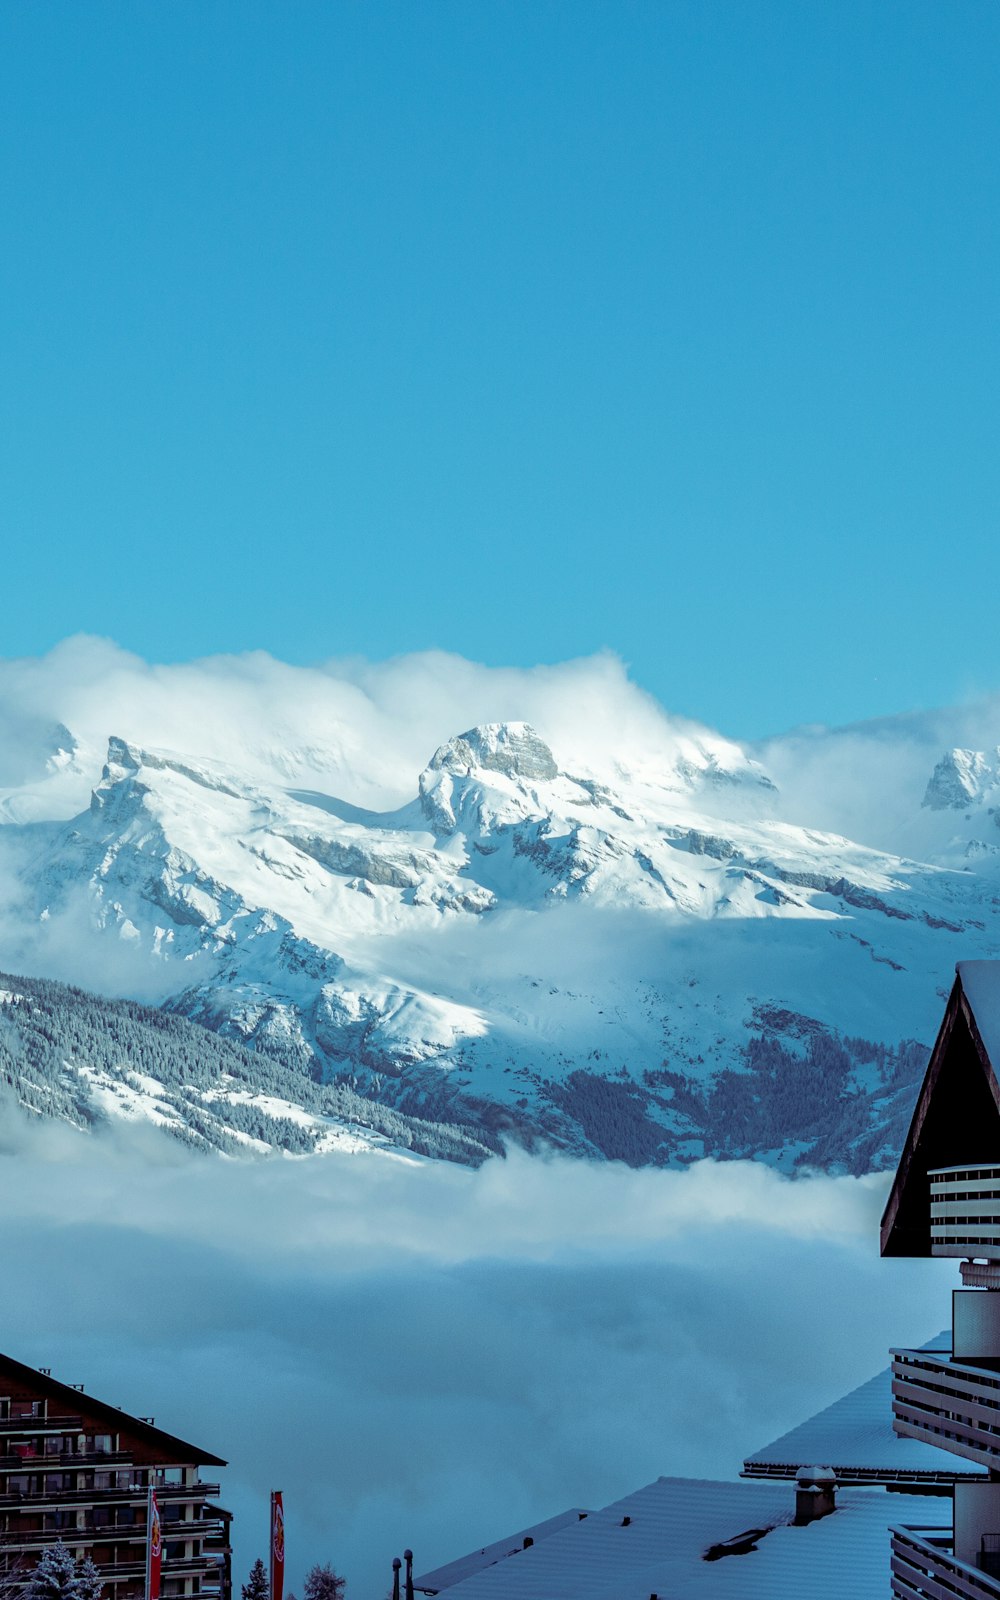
<point x="519" y="330"/>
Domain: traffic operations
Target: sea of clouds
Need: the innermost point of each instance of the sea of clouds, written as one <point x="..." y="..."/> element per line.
<point x="425" y="1355"/>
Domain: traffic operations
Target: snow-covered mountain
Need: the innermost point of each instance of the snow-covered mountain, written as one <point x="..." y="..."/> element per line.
<point x="630" y="950"/>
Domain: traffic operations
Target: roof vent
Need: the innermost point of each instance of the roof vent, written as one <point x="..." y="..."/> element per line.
<point x="150" y="1420"/>
<point x="46" y="1372"/>
<point x="78" y="1387"/>
<point x="626" y="1522"/>
<point x="528" y="1542"/>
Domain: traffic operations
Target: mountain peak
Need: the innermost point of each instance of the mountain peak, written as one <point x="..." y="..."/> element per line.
<point x="960" y="777"/>
<point x="123" y="756"/>
<point x="512" y="748"/>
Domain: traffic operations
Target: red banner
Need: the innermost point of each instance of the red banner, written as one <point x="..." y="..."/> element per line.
<point x="277" y="1546"/>
<point x="154" y="1549"/>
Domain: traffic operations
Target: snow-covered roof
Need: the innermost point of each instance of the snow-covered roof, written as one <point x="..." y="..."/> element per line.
<point x="465" y="1566"/>
<point x="981" y="983"/>
<point x="854" y="1435"/>
<point x="653" y="1542"/>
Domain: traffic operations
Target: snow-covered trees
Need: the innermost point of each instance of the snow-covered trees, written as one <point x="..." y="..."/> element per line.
<point x="257" y="1586"/>
<point x="322" y="1583"/>
<point x="53" y="1029"/>
<point x="59" y="1577"/>
<point x="88" y="1581"/>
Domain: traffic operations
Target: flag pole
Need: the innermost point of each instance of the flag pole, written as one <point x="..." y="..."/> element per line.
<point x="149" y="1538"/>
<point x="277" y="1545"/>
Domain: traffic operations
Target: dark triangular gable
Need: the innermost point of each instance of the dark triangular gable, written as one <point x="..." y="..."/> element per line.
<point x="75" y="1403"/>
<point x="956" y="1123"/>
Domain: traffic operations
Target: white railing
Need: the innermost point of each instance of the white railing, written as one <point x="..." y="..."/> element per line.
<point x="965" y="1212"/>
<point x="923" y="1568"/>
<point x="947" y="1403"/>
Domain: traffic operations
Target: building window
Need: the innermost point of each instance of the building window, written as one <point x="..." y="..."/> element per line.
<point x="24" y="1483"/>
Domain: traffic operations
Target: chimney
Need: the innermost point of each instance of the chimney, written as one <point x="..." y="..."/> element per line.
<point x="815" y="1494"/>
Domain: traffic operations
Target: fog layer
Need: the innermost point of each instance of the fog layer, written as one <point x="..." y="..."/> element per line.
<point x="430" y="1356"/>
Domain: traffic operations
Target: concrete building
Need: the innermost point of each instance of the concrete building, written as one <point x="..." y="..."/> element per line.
<point x="945" y="1201"/>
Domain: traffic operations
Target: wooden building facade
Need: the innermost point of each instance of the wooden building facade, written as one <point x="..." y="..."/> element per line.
<point x="75" y="1469"/>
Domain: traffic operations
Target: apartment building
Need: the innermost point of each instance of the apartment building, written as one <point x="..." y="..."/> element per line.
<point x="77" y="1469"/>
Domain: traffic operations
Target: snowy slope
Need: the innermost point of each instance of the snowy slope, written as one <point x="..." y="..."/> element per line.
<point x="69" y="1055"/>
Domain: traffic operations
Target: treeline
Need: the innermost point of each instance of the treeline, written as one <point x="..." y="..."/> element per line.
<point x="51" y="1030"/>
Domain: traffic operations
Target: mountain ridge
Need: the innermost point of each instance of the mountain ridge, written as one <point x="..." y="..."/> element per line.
<point x="530" y="945"/>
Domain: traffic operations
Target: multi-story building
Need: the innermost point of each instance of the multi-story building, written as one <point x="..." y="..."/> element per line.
<point x="945" y="1201"/>
<point x="75" y="1469"/>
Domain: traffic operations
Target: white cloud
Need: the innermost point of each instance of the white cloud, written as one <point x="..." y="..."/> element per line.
<point x="431" y="1356"/>
<point x="368" y="728"/>
<point x="365" y="730"/>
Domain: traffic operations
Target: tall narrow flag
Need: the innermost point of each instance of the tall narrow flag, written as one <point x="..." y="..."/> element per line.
<point x="277" y="1545"/>
<point x="154" y="1548"/>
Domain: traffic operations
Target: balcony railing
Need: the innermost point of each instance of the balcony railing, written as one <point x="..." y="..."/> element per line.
<point x="923" y="1568"/>
<point x="30" y="1461"/>
<point x="132" y="1494"/>
<point x="965" y="1212"/>
<point x="38" y="1422"/>
<point x="947" y="1403"/>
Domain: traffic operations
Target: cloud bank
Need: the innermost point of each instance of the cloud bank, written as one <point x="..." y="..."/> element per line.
<point x="372" y="727"/>
<point x="428" y="1356"/>
<point x="365" y="730"/>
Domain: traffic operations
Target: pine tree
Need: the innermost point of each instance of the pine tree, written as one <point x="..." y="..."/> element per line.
<point x="256" y="1586"/>
<point x="88" y="1581"/>
<point x="322" y="1583"/>
<point x="55" y="1577"/>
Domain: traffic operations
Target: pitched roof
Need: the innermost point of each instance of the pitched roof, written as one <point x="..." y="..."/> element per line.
<point x="855" y="1437"/>
<point x="454" y="1571"/>
<point x="75" y="1403"/>
<point x="956" y="1121"/>
<point x="674" y="1521"/>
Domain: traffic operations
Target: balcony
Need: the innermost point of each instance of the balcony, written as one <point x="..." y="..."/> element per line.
<point x="947" y="1403"/>
<point x="134" y="1494"/>
<point x="923" y="1568"/>
<point x="965" y="1212"/>
<point x="31" y="1461"/>
<point x="40" y="1423"/>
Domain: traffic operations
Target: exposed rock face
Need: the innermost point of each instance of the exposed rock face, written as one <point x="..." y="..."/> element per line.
<point x="512" y="748"/>
<point x="960" y="778"/>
